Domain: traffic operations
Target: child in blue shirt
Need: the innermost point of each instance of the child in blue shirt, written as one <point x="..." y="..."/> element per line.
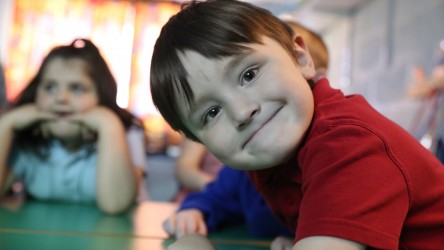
<point x="229" y="200"/>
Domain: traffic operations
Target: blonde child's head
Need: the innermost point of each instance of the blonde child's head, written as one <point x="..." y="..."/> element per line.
<point x="316" y="45"/>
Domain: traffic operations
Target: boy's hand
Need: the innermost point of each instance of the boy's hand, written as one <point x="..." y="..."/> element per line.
<point x="281" y="243"/>
<point x="190" y="221"/>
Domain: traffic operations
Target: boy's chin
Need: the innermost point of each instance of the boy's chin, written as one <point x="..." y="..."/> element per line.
<point x="258" y="161"/>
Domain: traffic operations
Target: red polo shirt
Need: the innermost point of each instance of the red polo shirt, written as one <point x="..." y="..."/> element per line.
<point x="358" y="176"/>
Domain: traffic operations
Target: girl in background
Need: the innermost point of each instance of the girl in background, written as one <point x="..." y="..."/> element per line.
<point x="66" y="138"/>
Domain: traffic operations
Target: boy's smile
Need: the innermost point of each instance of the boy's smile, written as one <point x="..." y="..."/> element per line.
<point x="250" y="110"/>
<point x="261" y="127"/>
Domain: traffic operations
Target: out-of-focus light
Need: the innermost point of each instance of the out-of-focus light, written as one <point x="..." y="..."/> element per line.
<point x="426" y="141"/>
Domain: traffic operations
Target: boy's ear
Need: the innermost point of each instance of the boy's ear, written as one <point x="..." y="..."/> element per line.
<point x="303" y="57"/>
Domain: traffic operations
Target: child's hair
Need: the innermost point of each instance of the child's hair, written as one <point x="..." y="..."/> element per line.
<point x="316" y="46"/>
<point x="96" y="68"/>
<point x="214" y="29"/>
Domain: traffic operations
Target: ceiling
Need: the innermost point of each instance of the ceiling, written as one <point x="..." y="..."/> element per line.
<point x="315" y="14"/>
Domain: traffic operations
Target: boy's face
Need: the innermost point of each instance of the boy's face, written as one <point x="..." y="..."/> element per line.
<point x="251" y="110"/>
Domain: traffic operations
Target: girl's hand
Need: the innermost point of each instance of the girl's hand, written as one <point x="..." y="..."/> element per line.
<point x="185" y="222"/>
<point x="96" y="119"/>
<point x="281" y="243"/>
<point x="27" y="115"/>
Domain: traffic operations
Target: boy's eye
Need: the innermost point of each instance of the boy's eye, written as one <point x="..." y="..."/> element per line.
<point x="210" y="115"/>
<point x="248" y="76"/>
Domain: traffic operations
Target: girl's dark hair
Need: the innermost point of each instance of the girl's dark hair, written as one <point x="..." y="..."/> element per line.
<point x="215" y="29"/>
<point x="100" y="74"/>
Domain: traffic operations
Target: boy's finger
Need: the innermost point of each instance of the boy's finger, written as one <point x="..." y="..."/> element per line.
<point x="180" y="228"/>
<point x="202" y="228"/>
<point x="191" y="225"/>
<point x="169" y="225"/>
<point x="166" y="226"/>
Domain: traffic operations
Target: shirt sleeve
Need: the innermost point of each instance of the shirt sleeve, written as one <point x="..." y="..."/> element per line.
<point x="355" y="191"/>
<point x="219" y="201"/>
<point x="136" y="144"/>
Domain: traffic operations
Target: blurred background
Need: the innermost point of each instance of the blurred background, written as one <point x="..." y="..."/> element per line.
<point x="374" y="46"/>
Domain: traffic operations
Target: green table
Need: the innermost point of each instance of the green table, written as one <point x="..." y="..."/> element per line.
<point x="45" y="225"/>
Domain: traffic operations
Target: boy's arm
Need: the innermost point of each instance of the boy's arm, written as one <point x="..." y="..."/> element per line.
<point x="190" y="216"/>
<point x="219" y="201"/>
<point x="327" y="242"/>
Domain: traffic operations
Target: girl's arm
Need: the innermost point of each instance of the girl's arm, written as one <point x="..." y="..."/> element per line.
<point x="6" y="133"/>
<point x="15" y="120"/>
<point x="117" y="179"/>
<point x="188" y="166"/>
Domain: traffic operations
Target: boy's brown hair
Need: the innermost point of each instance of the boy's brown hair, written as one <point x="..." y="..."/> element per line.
<point x="214" y="29"/>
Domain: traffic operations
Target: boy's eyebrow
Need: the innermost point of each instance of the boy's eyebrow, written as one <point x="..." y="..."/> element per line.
<point x="232" y="63"/>
<point x="192" y="107"/>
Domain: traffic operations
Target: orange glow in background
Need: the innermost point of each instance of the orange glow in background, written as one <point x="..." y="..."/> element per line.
<point x="124" y="31"/>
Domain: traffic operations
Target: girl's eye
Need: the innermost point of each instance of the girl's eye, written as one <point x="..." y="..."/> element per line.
<point x="78" y="88"/>
<point x="248" y="76"/>
<point x="50" y="87"/>
<point x="210" y="115"/>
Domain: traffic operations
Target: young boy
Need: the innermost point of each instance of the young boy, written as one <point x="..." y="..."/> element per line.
<point x="231" y="198"/>
<point x="336" y="172"/>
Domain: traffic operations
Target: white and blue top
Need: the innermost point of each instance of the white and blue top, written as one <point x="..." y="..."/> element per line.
<point x="65" y="175"/>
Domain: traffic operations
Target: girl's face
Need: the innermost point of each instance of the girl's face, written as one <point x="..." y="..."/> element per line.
<point x="251" y="110"/>
<point x="66" y="89"/>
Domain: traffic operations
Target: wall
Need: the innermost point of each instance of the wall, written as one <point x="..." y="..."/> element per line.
<point x="5" y="17"/>
<point x="372" y="50"/>
<point x="385" y="39"/>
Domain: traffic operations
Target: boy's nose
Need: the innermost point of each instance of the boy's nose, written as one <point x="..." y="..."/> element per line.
<point x="248" y="117"/>
<point x="244" y="111"/>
